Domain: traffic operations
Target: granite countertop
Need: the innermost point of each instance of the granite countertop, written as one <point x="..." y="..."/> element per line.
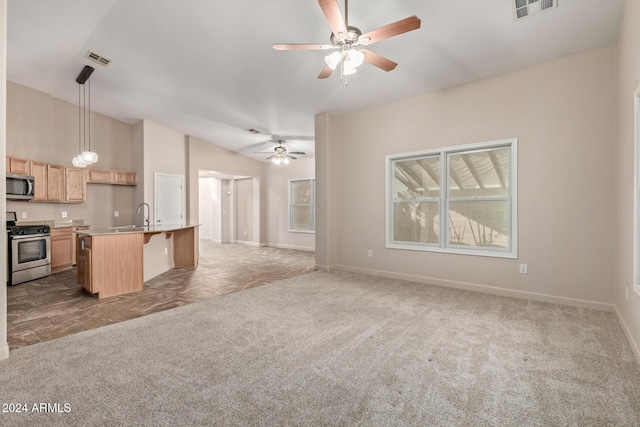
<point x="56" y="223"/>
<point x="136" y="229"/>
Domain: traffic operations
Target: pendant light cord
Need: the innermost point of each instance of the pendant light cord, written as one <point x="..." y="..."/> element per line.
<point x="89" y="115"/>
<point x="79" y="123"/>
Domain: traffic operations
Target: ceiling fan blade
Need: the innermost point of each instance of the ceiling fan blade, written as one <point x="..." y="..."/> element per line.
<point x="292" y="157"/>
<point x="270" y="157"/>
<point x="263" y="152"/>
<point x="296" y="152"/>
<point x="302" y="46"/>
<point x="405" y="25"/>
<point x="332" y="12"/>
<point x="378" y="60"/>
<point x="326" y="72"/>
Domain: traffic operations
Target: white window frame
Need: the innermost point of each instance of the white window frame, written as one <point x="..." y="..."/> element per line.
<point x="443" y="246"/>
<point x="312" y="230"/>
<point x="636" y="191"/>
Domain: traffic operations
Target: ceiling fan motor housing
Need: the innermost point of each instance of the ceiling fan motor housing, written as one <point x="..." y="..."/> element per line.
<point x="350" y="38"/>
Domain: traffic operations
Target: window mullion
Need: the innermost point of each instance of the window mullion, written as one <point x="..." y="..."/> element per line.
<point x="444" y="199"/>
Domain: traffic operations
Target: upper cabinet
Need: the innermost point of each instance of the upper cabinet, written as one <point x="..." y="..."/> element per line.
<point x="55" y="183"/>
<point x="104" y="176"/>
<point x="98" y="176"/>
<point x="39" y="172"/>
<point x="16" y="165"/>
<point x="76" y="185"/>
<point x="125" y="178"/>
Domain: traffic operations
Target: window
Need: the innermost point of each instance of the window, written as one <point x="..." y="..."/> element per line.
<point x="473" y="187"/>
<point x="302" y="205"/>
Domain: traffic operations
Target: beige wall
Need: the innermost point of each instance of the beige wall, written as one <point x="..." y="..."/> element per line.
<point x="244" y="209"/>
<point x="163" y="151"/>
<point x="628" y="81"/>
<point x="43" y="128"/>
<point x="563" y="114"/>
<point x="278" y="177"/>
<point x="208" y="157"/>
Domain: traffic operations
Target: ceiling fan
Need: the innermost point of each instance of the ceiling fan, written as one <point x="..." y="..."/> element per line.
<point x="346" y="39"/>
<point x="280" y="155"/>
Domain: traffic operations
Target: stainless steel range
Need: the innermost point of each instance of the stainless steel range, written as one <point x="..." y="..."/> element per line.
<point x="29" y="251"/>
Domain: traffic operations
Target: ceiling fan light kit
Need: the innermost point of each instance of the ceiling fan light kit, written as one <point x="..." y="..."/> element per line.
<point x="347" y="39"/>
<point x="281" y="156"/>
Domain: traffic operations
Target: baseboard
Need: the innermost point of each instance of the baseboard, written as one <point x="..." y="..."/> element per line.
<point x="4" y="351"/>
<point x="481" y="288"/>
<point x="627" y="333"/>
<point x="326" y="268"/>
<point x="248" y="243"/>
<point x="211" y="240"/>
<point x="298" y="248"/>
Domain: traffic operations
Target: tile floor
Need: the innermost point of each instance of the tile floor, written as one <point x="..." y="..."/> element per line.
<point x="55" y="306"/>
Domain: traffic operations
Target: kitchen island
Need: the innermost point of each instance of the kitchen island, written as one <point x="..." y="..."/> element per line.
<point x="118" y="260"/>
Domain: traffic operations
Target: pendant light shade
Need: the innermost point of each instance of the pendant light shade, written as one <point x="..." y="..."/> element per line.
<point x="333" y="60"/>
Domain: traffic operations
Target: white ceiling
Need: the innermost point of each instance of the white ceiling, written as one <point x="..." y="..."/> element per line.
<point x="206" y="67"/>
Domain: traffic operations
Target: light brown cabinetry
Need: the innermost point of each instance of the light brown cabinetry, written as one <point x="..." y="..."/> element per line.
<point x="125" y="178"/>
<point x="39" y="172"/>
<point x="100" y="176"/>
<point x="16" y="165"/>
<point x="75" y="185"/>
<point x="74" y="240"/>
<point x="55" y="183"/>
<point x="104" y="176"/>
<point x="61" y="248"/>
<point x="110" y="264"/>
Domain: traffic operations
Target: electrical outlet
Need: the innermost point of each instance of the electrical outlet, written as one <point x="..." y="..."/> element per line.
<point x="116" y="214"/>
<point x="166" y="251"/>
<point x="244" y="232"/>
<point x="523" y="269"/>
<point x="64" y="214"/>
<point x="370" y="253"/>
<point x="24" y="215"/>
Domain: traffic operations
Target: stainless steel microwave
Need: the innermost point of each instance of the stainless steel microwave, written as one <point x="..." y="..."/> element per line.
<point x="19" y="187"/>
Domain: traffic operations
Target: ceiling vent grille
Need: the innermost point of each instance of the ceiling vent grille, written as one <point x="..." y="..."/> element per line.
<point x="254" y="131"/>
<point x="98" y="59"/>
<point x="524" y="8"/>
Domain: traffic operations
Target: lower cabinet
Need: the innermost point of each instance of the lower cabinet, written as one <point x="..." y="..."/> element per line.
<point x="110" y="264"/>
<point x="61" y="248"/>
<point x="74" y="251"/>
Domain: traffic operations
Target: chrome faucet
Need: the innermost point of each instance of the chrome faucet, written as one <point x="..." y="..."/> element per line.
<point x="141" y="206"/>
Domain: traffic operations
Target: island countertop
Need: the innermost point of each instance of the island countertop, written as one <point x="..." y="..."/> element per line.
<point x="136" y="229"/>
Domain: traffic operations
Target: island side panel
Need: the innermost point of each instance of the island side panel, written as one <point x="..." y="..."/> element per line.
<point x="117" y="263"/>
<point x="185" y="247"/>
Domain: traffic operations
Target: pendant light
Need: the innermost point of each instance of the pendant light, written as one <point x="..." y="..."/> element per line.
<point x="86" y="157"/>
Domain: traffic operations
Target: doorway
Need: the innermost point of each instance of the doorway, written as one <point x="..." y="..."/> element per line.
<point x="229" y="208"/>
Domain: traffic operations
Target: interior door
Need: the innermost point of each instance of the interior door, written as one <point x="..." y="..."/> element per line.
<point x="168" y="197"/>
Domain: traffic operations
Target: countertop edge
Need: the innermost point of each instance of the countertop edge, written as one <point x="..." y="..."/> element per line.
<point x="142" y="229"/>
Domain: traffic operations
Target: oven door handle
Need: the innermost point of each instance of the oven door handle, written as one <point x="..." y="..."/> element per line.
<point x="30" y="236"/>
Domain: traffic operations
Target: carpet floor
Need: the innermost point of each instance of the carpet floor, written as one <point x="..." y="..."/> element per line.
<point x="334" y="349"/>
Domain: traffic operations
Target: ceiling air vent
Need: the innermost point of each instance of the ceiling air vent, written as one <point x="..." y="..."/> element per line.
<point x="524" y="8"/>
<point x="254" y="131"/>
<point x="98" y="59"/>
